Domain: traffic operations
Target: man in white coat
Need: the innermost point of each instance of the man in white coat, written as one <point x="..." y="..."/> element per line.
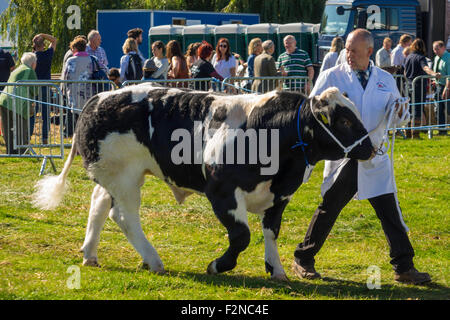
<point x="373" y="91"/>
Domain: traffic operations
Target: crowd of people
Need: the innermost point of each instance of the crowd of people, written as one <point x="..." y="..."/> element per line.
<point x="87" y="60"/>
<point x="409" y="58"/>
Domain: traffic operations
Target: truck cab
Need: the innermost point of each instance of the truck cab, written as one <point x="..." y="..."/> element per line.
<point x="381" y="17"/>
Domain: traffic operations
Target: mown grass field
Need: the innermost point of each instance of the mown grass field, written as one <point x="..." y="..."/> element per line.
<point x="37" y="248"/>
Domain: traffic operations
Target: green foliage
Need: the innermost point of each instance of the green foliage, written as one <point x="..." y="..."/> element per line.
<point x="25" y="18"/>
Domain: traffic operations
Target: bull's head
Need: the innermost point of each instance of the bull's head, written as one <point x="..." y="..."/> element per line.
<point x="343" y="120"/>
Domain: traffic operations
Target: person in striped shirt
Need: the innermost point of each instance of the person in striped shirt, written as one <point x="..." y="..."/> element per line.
<point x="295" y="62"/>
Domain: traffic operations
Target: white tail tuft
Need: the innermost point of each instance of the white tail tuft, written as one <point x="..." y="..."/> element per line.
<point x="49" y="192"/>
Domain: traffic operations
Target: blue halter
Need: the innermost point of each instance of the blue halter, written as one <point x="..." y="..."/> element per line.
<point x="300" y="142"/>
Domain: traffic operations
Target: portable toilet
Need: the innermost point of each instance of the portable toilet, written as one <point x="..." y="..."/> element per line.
<point x="310" y="37"/>
<point x="165" y="33"/>
<point x="235" y="33"/>
<point x="299" y="30"/>
<point x="264" y="31"/>
<point x="198" y="33"/>
<point x="315" y="43"/>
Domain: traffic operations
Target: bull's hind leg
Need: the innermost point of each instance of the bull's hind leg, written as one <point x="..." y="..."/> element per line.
<point x="271" y="222"/>
<point x="232" y="212"/>
<point x="125" y="213"/>
<point x="100" y="206"/>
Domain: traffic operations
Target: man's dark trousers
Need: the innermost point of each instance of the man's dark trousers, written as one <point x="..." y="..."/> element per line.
<point x="335" y="199"/>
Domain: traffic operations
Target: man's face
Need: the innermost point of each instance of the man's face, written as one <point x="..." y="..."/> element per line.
<point x="439" y="51"/>
<point x="290" y="45"/>
<point x="358" y="52"/>
<point x="97" y="41"/>
<point x="407" y="44"/>
<point x="139" y="39"/>
<point x="387" y="45"/>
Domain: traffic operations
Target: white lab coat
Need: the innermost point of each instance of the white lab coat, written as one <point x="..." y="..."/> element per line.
<point x="375" y="177"/>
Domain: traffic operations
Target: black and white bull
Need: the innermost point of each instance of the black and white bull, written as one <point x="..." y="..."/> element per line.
<point x="126" y="134"/>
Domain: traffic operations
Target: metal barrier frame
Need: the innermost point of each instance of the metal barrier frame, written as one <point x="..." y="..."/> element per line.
<point x="279" y="80"/>
<point x="429" y="100"/>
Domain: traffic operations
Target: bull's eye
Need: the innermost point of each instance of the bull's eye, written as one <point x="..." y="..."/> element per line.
<point x="346" y="123"/>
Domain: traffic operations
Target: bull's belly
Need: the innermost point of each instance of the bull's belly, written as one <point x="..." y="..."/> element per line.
<point x="122" y="158"/>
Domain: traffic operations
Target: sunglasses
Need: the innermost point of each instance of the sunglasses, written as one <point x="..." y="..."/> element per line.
<point x="223" y="46"/>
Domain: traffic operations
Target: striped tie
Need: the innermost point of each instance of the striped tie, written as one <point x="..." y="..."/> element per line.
<point x="362" y="77"/>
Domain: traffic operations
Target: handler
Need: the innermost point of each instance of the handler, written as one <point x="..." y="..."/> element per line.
<point x="373" y="91"/>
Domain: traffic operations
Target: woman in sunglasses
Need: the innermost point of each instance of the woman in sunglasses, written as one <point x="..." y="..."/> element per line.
<point x="223" y="61"/>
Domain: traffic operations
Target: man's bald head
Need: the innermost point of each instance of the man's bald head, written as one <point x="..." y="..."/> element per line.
<point x="359" y="48"/>
<point x="362" y="35"/>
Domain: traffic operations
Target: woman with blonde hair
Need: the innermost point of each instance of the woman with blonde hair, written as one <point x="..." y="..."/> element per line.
<point x="130" y="63"/>
<point x="331" y="57"/>
<point x="254" y="49"/>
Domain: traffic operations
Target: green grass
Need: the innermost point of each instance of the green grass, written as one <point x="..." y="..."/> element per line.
<point x="37" y="248"/>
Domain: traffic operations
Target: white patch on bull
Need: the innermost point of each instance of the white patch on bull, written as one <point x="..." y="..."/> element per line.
<point x="333" y="96"/>
<point x="240" y="213"/>
<point x="260" y="199"/>
<point x="170" y="93"/>
<point x="271" y="254"/>
<point x="119" y="152"/>
<point x="138" y="92"/>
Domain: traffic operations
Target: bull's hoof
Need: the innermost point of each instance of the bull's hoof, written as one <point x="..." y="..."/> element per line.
<point x="158" y="270"/>
<point x="212" y="268"/>
<point x="280" y="277"/>
<point x="91" y="262"/>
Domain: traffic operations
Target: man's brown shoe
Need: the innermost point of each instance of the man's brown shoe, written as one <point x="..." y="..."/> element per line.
<point x="305" y="271"/>
<point x="412" y="276"/>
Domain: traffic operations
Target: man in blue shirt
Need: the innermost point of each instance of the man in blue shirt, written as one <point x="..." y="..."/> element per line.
<point x="43" y="72"/>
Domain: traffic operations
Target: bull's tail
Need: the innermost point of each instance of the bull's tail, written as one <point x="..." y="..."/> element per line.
<point x="50" y="190"/>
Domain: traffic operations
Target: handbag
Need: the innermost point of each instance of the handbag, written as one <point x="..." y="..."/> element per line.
<point x="98" y="74"/>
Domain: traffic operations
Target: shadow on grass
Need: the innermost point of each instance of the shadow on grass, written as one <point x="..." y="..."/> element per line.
<point x="325" y="288"/>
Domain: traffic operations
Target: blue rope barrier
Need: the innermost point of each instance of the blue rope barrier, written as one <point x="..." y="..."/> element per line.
<point x="42" y="102"/>
<point x="428" y="102"/>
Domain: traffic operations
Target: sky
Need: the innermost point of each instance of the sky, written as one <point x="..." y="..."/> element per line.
<point x="3" y="6"/>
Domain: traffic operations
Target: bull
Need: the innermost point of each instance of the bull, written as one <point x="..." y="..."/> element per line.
<point x="129" y="133"/>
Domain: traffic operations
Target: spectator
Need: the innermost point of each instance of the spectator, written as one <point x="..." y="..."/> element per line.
<point x="177" y="62"/>
<point x="136" y="34"/>
<point x="191" y="54"/>
<point x="80" y="67"/>
<point x="415" y="66"/>
<point x="43" y="72"/>
<point x="93" y="48"/>
<point x="26" y="71"/>
<point x="161" y="62"/>
<point x="148" y="69"/>
<point x="69" y="52"/>
<point x="130" y="63"/>
<point x="254" y="49"/>
<point x="202" y="68"/>
<point x="265" y="67"/>
<point x="397" y="58"/>
<point x="442" y="65"/>
<point x="383" y="56"/>
<point x="406" y="52"/>
<point x="342" y="57"/>
<point x="114" y="76"/>
<point x="295" y="62"/>
<point x="223" y="61"/>
<point x="331" y="57"/>
<point x="7" y="65"/>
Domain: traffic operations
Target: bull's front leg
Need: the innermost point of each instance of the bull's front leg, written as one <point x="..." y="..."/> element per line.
<point x="271" y="222"/>
<point x="231" y="210"/>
